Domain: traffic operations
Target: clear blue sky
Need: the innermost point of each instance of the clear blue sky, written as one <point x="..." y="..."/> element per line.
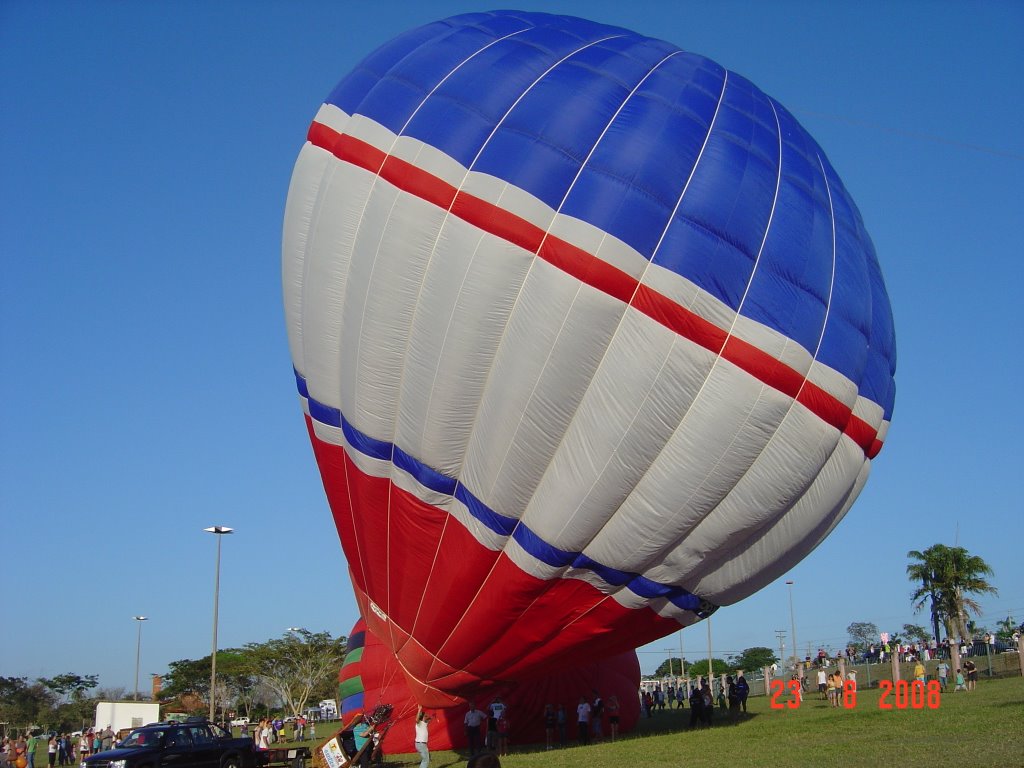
<point x="147" y="392"/>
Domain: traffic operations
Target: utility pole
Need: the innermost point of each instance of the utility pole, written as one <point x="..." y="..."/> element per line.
<point x="780" y="635"/>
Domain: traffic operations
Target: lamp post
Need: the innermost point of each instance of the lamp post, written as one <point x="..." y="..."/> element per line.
<point x="138" y="652"/>
<point x="670" y="667"/>
<point x="792" y="623"/>
<point x="219" y="531"/>
<point x="682" y="658"/>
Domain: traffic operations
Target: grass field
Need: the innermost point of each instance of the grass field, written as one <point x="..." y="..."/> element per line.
<point x="977" y="729"/>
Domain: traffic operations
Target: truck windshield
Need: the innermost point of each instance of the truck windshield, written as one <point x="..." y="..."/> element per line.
<point x="148" y="738"/>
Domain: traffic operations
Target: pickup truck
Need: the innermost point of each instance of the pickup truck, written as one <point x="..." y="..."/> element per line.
<point x="194" y="743"/>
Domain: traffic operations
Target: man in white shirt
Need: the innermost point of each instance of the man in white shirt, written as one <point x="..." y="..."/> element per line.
<point x="474" y="717"/>
<point x="583" y="721"/>
<point x="422" y="718"/>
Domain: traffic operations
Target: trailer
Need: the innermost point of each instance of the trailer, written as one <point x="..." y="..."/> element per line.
<point x="125" y="715"/>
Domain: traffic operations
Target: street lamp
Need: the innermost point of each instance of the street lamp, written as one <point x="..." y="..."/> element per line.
<point x="138" y="652"/>
<point x="792" y="626"/>
<point x="219" y="531"/>
<point x="682" y="658"/>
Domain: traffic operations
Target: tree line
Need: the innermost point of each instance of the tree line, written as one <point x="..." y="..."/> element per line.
<point x="281" y="674"/>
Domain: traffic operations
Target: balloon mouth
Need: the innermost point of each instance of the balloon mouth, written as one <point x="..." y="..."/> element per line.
<point x="426" y="695"/>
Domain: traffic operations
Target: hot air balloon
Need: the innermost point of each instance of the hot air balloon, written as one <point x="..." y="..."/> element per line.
<point x="589" y="336"/>
<point x="371" y="676"/>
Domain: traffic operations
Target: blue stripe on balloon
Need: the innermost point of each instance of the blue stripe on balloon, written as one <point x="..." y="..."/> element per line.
<point x="301" y="384"/>
<point x="500" y="524"/>
<point x="425" y="476"/>
<point x="355" y="701"/>
<point x="536" y="546"/>
<point x="357" y="640"/>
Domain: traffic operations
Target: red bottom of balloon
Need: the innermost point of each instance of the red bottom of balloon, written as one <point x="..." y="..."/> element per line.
<point x="458" y="616"/>
<point x="382" y="682"/>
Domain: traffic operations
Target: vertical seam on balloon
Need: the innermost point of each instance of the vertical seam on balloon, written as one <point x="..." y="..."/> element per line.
<point x="792" y="401"/>
<point x="466" y="176"/>
<point x="358" y="351"/>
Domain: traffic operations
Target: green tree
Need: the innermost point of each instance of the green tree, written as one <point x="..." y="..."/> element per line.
<point x="1006" y="628"/>
<point x="754" y="658"/>
<point x="24" y="703"/>
<point x="70" y="686"/>
<point x="236" y="669"/>
<point x="947" y="577"/>
<point x="187" y="676"/>
<point x="671" y="666"/>
<point x="700" y="668"/>
<point x="295" y="665"/>
<point x="862" y="634"/>
<point x="915" y="633"/>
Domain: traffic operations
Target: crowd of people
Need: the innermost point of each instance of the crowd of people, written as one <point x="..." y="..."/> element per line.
<point x="273" y="730"/>
<point x="61" y="748"/>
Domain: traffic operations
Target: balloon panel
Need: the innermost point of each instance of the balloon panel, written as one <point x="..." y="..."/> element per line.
<point x="589" y="335"/>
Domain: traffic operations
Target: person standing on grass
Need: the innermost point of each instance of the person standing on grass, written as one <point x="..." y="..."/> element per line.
<point x="613" y="716"/>
<point x="733" y="696"/>
<point x="550" y="721"/>
<point x="473" y="719"/>
<point x="561" y="717"/>
<point x="583" y="722"/>
<point x="422" y="737"/>
<point x="743" y="690"/>
<point x="32" y="746"/>
<point x="503" y="729"/>
<point x="943" y="672"/>
<point x="597" y="715"/>
<point x="16" y="750"/>
<point x="919" y="672"/>
<point x="972" y="674"/>
<point x="707" y="711"/>
<point x="696" y="707"/>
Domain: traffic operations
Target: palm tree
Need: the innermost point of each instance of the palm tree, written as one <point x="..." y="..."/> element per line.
<point x="947" y="576"/>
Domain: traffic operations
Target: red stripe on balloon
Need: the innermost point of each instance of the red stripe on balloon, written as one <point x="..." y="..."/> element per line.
<point x="601" y="275"/>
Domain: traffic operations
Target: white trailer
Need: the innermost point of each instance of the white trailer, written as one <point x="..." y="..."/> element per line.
<point x="125" y="715"/>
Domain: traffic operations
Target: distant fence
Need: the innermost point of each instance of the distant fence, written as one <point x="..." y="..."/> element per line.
<point x="868" y="674"/>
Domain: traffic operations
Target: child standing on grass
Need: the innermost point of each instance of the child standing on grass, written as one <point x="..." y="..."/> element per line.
<point x="960" y="684"/>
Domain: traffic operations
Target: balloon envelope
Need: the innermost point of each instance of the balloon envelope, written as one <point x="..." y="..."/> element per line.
<point x="589" y="335"/>
<point x="371" y="675"/>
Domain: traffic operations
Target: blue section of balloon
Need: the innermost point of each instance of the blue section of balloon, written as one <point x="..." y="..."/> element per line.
<point x="689" y="164"/>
